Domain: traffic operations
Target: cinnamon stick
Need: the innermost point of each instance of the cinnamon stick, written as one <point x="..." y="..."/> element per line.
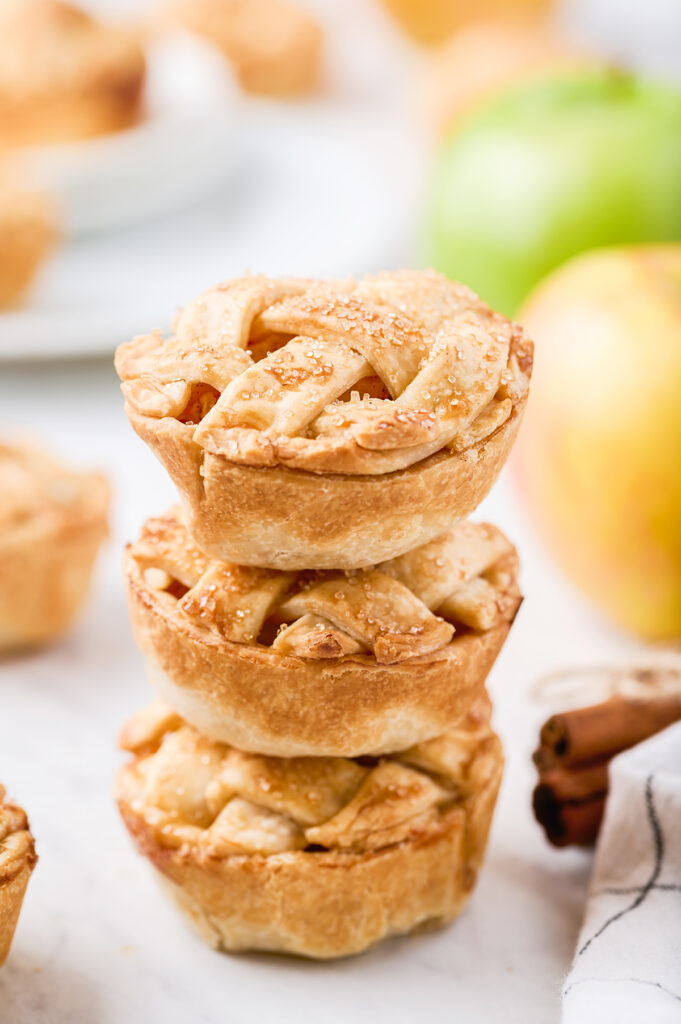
<point x="568" y="824"/>
<point x="603" y="730"/>
<point x="572" y="760"/>
<point x="578" y="784"/>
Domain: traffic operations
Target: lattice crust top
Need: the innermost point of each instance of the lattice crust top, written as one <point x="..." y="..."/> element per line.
<point x="400" y="609"/>
<point x="15" y="839"/>
<point x="334" y="377"/>
<point x="198" y="794"/>
<point x="37" y="492"/>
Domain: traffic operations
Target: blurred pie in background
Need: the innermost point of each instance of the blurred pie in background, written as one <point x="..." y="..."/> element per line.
<point x="52" y="523"/>
<point x="64" y="75"/>
<point x="274" y="46"/>
<point x="28" y="233"/>
<point x="433" y="21"/>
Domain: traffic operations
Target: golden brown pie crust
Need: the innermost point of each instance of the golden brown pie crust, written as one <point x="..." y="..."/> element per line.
<point x="52" y="523"/>
<point x="293" y="416"/>
<point x="289" y="519"/>
<point x="17" y="860"/>
<point x="323" y="692"/>
<point x="248" y="850"/>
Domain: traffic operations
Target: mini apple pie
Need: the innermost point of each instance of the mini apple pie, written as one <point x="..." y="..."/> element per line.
<point x="274" y="46"/>
<point x="17" y="860"/>
<point x="64" y="75"/>
<point x="326" y="663"/>
<point x="316" y="856"/>
<point x="329" y="425"/>
<point x="52" y="522"/>
<point x="27" y="235"/>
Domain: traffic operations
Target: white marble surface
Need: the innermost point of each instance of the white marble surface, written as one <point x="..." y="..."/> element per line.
<point x="98" y="944"/>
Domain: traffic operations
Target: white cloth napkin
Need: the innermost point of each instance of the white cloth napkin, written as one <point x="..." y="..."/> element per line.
<point x="627" y="966"/>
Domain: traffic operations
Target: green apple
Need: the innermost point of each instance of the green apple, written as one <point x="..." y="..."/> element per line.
<point x="598" y="460"/>
<point x="551" y="168"/>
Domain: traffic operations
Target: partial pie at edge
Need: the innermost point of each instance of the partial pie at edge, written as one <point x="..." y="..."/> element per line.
<point x="17" y="860"/>
<point x="28" y="232"/>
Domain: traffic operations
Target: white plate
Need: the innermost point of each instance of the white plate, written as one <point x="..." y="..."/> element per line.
<point x="182" y="147"/>
<point x="319" y="190"/>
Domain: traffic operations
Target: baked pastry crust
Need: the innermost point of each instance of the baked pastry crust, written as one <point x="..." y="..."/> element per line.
<point x="27" y="235"/>
<point x="17" y="860"/>
<point x="274" y="46"/>
<point x="295" y="415"/>
<point x="295" y="664"/>
<point x="320" y="857"/>
<point x="64" y="75"/>
<point x="52" y="523"/>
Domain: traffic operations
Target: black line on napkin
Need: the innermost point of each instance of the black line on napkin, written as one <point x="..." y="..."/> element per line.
<point x="658" y="843"/>
<point x="657" y="984"/>
<point x="636" y="981"/>
<point x="659" y="887"/>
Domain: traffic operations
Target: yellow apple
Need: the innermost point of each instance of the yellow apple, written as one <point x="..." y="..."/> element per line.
<point x="599" y="457"/>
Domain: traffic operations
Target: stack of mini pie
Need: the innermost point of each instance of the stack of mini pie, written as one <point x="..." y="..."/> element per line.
<point x="319" y="616"/>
